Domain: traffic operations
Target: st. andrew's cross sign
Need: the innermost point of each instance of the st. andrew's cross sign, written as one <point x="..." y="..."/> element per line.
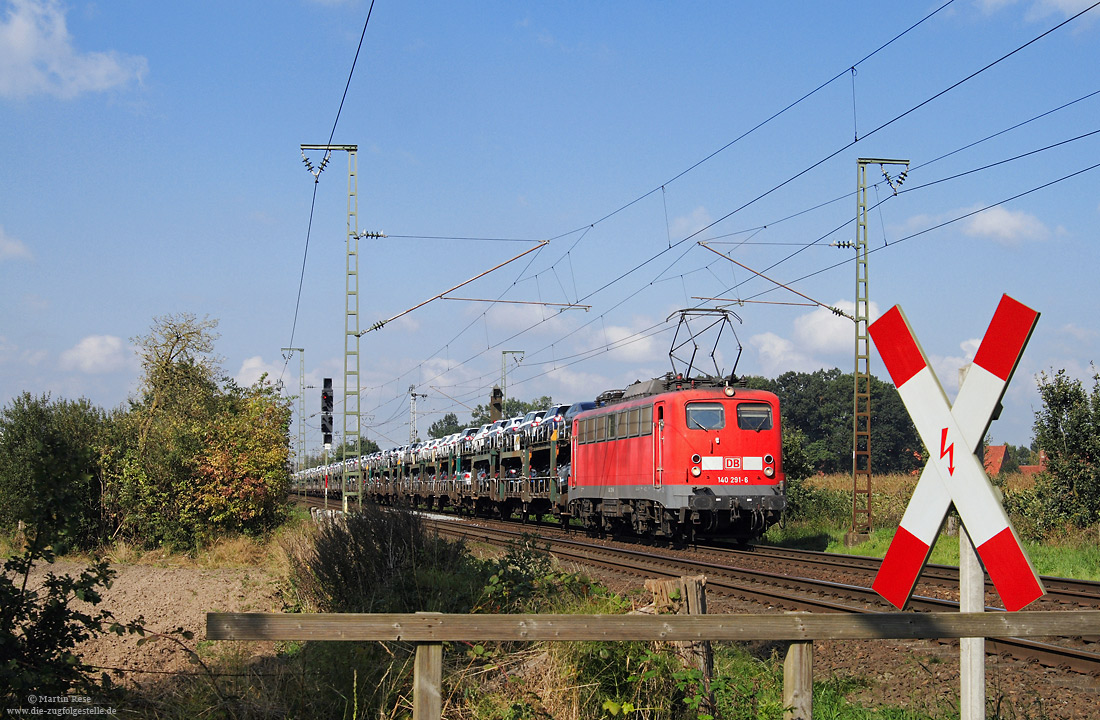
<point x="954" y="474"/>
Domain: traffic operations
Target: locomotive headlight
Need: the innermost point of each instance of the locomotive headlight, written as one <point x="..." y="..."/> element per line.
<point x="729" y="391"/>
<point x="769" y="472"/>
<point x="695" y="471"/>
<point x="768" y="459"/>
<point x="695" y="459"/>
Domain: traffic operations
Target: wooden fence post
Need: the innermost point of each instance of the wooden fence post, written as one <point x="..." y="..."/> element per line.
<point x="688" y="596"/>
<point x="428" y="682"/>
<point x="798" y="681"/>
<point x="428" y="679"/>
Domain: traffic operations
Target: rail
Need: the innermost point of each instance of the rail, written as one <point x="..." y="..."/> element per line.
<point x="429" y="631"/>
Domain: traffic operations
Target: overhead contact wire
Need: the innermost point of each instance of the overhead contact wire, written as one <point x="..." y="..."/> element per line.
<point x="313" y="203"/>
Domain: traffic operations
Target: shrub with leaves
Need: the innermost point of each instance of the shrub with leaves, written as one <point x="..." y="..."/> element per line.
<point x="46" y="478"/>
<point x="40" y="628"/>
<point x="379" y="560"/>
<point x="1067" y="428"/>
<point x="196" y="456"/>
<point x="49" y="474"/>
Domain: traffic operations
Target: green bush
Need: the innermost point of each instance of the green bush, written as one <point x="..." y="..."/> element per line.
<point x="195" y="457"/>
<point x="48" y="483"/>
<point x="809" y="504"/>
<point x="49" y="475"/>
<point x="1067" y="428"/>
<point x="379" y="560"/>
<point x="39" y="628"/>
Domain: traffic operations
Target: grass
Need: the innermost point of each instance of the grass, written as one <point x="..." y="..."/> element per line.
<point x="533" y="681"/>
<point x="827" y="523"/>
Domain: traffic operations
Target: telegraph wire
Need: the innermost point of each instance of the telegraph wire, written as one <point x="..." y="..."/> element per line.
<point x="351" y="73"/>
<point x="785" y="182"/>
<point x="775" y="115"/>
<point x="313" y="202"/>
<point x="1008" y="129"/>
<point x="1002" y="202"/>
<point x="827" y="157"/>
<point x="945" y="223"/>
<point x="803" y="246"/>
<point x="602" y="317"/>
<point x="754" y="128"/>
<point x="999" y="162"/>
<point x="834" y="310"/>
<point x="924" y="185"/>
<point x="467" y="239"/>
<point x="890" y="122"/>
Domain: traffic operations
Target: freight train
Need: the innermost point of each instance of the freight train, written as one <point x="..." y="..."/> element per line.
<point x="673" y="457"/>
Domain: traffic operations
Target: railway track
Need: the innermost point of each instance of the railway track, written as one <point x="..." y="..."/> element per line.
<point x="740" y="574"/>
<point x="782" y="591"/>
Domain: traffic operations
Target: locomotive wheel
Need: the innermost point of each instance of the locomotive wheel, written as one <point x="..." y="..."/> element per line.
<point x="589" y="518"/>
<point x="641" y="520"/>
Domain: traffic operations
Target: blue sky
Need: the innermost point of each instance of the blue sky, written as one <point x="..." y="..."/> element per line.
<point x="153" y="167"/>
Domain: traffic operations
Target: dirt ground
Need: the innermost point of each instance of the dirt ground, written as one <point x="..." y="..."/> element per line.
<point x="916" y="674"/>
<point x="168" y="598"/>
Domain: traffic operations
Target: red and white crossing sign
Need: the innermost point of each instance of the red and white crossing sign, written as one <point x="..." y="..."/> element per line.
<point x="953" y="473"/>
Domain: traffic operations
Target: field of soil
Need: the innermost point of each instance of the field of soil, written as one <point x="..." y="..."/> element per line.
<point x="916" y="674"/>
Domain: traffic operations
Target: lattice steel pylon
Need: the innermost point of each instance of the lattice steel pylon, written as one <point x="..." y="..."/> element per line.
<point x="299" y="448"/>
<point x="861" y="396"/>
<point x="352" y="476"/>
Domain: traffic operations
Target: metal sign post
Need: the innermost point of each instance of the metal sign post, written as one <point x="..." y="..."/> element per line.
<point x="954" y="475"/>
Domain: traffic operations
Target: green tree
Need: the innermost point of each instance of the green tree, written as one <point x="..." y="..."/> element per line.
<point x="241" y="473"/>
<point x="48" y="481"/>
<point x="445" y="426"/>
<point x="196" y="456"/>
<point x="820" y="405"/>
<point x="49" y="471"/>
<point x="180" y="371"/>
<point x="39" y="630"/>
<point x="1015" y="456"/>
<point x="512" y="408"/>
<point x="366" y="447"/>
<point x="1067" y="427"/>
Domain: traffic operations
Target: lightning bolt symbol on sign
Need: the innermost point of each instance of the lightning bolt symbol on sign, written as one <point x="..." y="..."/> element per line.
<point x="948" y="450"/>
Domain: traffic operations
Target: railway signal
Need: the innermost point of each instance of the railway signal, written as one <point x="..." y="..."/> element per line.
<point x="326" y="411"/>
<point x="954" y="474"/>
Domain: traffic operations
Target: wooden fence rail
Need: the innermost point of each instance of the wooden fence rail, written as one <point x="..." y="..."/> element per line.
<point x="429" y="630"/>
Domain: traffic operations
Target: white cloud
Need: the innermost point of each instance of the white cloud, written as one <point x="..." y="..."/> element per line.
<point x="947" y="368"/>
<point x="37" y="56"/>
<point x="628" y="345"/>
<point x="686" y="225"/>
<point x="1078" y="334"/>
<point x="1065" y="8"/>
<point x="574" y="385"/>
<point x="12" y="248"/>
<point x="822" y="331"/>
<point x="819" y="339"/>
<point x="992" y="6"/>
<point x="252" y="368"/>
<point x="98" y="354"/>
<point x="509" y="317"/>
<point x="1006" y="227"/>
<point x="622" y="343"/>
<point x="1038" y="9"/>
<point x="778" y="355"/>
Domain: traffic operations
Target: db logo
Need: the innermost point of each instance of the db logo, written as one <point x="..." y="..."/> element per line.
<point x="733" y="463"/>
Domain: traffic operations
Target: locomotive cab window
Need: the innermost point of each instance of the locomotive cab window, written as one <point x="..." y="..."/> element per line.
<point x="706" y="416"/>
<point x="632" y="422"/>
<point x="754" y="416"/>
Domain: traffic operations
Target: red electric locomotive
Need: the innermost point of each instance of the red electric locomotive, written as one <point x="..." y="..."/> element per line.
<point x="679" y="458"/>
